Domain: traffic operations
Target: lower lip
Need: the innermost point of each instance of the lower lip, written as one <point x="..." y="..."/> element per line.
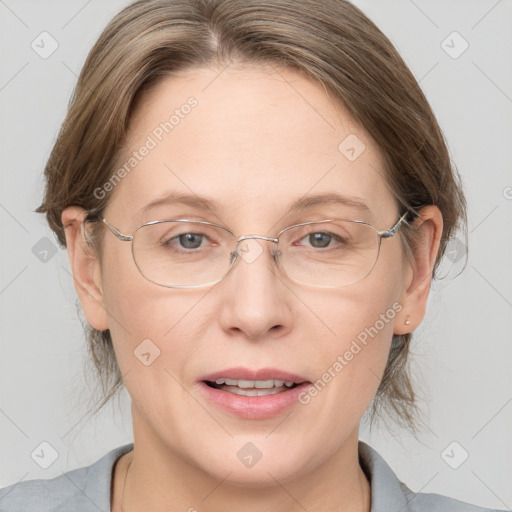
<point x="253" y="407"/>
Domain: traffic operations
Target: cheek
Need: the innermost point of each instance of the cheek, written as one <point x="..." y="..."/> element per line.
<point x="146" y="318"/>
<point x="155" y="333"/>
<point x="349" y="372"/>
<point x="360" y="333"/>
<point x="358" y="325"/>
<point x="125" y="295"/>
<point x="363" y="311"/>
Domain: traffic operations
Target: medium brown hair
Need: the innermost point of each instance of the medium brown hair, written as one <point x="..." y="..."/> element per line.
<point x="329" y="41"/>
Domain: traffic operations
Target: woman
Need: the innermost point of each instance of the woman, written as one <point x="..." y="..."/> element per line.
<point x="254" y="197"/>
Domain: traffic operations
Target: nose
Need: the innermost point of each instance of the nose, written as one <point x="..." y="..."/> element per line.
<point x="256" y="300"/>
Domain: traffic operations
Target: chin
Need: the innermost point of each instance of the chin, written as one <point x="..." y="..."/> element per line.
<point x="259" y="476"/>
<point x="254" y="462"/>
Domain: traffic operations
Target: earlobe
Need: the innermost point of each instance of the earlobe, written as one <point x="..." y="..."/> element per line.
<point x="428" y="230"/>
<point x="85" y="268"/>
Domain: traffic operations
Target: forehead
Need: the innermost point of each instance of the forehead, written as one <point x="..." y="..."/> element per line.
<point x="252" y="141"/>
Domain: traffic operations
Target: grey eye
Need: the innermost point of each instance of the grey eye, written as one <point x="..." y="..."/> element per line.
<point x="320" y="240"/>
<point x="190" y="240"/>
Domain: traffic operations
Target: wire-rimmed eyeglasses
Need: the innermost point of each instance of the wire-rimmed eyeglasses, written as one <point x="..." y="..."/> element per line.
<point x="184" y="253"/>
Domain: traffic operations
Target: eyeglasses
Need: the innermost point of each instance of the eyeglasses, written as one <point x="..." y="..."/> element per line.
<point x="186" y="253"/>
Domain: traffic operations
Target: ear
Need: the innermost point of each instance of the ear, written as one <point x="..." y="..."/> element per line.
<point x="85" y="267"/>
<point x="428" y="230"/>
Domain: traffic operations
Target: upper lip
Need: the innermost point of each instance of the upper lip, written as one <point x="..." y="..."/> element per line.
<point x="241" y="373"/>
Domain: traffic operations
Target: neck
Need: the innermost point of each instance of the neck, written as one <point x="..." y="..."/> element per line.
<point x="154" y="477"/>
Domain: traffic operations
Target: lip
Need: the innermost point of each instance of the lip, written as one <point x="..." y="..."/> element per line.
<point x="253" y="407"/>
<point x="241" y="373"/>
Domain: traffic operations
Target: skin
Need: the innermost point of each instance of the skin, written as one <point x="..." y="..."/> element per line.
<point x="258" y="139"/>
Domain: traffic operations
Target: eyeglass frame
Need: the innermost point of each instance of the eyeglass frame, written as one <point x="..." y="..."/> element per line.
<point x="388" y="233"/>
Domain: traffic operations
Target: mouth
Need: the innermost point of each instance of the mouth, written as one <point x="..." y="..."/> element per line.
<point x="252" y="394"/>
<point x="251" y="387"/>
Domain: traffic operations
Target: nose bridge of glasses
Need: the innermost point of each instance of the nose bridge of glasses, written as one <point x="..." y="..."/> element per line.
<point x="243" y="238"/>
<point x="259" y="237"/>
<point x="248" y="252"/>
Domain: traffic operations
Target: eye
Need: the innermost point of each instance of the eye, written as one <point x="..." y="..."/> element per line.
<point x="319" y="240"/>
<point x="184" y="241"/>
<point x="189" y="240"/>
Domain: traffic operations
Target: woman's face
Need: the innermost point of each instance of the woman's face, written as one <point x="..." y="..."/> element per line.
<point x="252" y="142"/>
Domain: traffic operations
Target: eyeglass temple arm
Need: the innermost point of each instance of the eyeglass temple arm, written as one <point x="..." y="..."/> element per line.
<point x="117" y="233"/>
<point x="393" y="230"/>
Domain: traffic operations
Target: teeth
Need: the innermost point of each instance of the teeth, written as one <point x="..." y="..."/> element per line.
<point x="258" y="384"/>
<point x="253" y="392"/>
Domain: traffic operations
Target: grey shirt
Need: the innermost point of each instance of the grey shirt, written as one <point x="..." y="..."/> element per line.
<point x="88" y="489"/>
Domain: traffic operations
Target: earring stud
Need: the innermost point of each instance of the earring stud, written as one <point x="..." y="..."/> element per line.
<point x="407" y="322"/>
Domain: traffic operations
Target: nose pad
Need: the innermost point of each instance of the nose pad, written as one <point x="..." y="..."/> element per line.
<point x="250" y="249"/>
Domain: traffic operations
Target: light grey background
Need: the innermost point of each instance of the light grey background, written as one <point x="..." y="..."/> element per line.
<point x="462" y="351"/>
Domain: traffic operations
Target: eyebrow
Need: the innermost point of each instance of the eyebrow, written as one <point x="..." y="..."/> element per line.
<point x="306" y="202"/>
<point x="329" y="199"/>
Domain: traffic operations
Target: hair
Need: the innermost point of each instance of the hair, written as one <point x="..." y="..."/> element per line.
<point x="331" y="42"/>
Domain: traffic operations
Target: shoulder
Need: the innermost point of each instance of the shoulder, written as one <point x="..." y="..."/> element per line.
<point x="388" y="493"/>
<point x="427" y="502"/>
<point x="80" y="490"/>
